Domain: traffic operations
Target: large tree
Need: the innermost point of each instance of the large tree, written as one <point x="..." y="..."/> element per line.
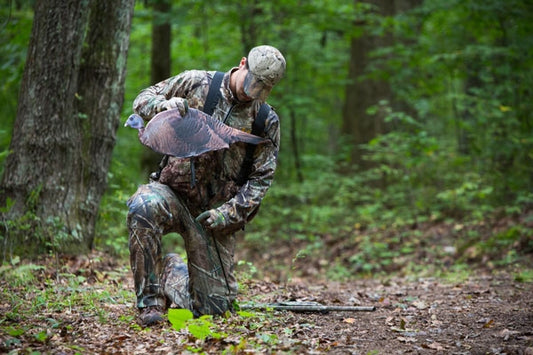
<point x="68" y="113"/>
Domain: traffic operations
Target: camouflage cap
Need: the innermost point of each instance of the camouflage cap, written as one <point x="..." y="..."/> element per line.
<point x="266" y="67"/>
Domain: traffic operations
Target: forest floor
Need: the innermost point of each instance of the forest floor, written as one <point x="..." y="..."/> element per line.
<point x="85" y="305"/>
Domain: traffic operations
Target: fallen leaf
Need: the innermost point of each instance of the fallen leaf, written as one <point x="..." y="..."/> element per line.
<point x="506" y="333"/>
<point x="406" y="339"/>
<point x="489" y="324"/>
<point x="436" y="346"/>
<point x="420" y="304"/>
<point x="402" y="324"/>
<point x="349" y="320"/>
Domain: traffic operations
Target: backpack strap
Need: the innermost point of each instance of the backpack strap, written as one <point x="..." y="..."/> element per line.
<point x="213" y="95"/>
<point x="258" y="127"/>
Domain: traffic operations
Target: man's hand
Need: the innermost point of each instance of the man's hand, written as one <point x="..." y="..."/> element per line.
<point x="174" y="102"/>
<point x="212" y="219"/>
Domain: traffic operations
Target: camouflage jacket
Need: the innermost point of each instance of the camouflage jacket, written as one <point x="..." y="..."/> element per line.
<point x="216" y="172"/>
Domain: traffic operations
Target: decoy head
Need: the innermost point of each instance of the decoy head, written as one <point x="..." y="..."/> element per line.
<point x="134" y="121"/>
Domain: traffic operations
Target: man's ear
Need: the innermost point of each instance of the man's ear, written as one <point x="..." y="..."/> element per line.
<point x="243" y="62"/>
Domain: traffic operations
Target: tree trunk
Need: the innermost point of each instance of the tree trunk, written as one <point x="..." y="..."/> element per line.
<point x="250" y="13"/>
<point x="56" y="172"/>
<point x="43" y="144"/>
<point x="160" y="67"/>
<point x="362" y="92"/>
<point x="101" y="91"/>
<point x="161" y="38"/>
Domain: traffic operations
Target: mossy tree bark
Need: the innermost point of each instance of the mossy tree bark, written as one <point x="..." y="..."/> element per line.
<point x="68" y="112"/>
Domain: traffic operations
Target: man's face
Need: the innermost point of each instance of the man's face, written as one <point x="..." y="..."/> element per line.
<point x="247" y="86"/>
<point x="255" y="87"/>
<point x="240" y="77"/>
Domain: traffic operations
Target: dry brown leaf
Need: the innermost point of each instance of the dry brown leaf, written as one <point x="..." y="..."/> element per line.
<point x="436" y="346"/>
<point x="489" y="324"/>
<point x="406" y="339"/>
<point x="420" y="304"/>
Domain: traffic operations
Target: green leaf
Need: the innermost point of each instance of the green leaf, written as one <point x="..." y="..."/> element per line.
<point x="41" y="336"/>
<point x="179" y="317"/>
<point x="15" y="332"/>
<point x="15" y="260"/>
<point x="245" y="314"/>
<point x="200" y="330"/>
<point x="9" y="203"/>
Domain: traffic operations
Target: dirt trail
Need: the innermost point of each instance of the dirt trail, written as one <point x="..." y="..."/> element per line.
<point x="486" y="315"/>
<point x="483" y="315"/>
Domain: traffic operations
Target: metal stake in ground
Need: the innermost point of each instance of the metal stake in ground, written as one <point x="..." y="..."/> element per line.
<point x="296" y="306"/>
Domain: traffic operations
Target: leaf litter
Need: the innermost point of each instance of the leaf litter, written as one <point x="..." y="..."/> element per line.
<point x="87" y="307"/>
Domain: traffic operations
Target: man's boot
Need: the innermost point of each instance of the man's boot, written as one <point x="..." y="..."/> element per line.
<point x="151" y="315"/>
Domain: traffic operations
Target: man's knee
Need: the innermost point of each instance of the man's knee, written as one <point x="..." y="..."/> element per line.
<point x="149" y="206"/>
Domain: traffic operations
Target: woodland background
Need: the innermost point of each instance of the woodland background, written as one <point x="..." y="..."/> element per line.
<point x="396" y="115"/>
<point x="405" y="177"/>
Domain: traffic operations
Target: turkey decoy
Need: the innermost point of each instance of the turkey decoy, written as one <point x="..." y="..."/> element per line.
<point x="187" y="136"/>
<point x="191" y="135"/>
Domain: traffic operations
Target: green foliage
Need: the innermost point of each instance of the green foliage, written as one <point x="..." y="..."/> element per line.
<point x="200" y="328"/>
<point x="525" y="276"/>
<point x="44" y="301"/>
<point x="459" y="146"/>
<point x="30" y="235"/>
<point x="14" y="37"/>
<point x="482" y="51"/>
<point x="237" y="328"/>
<point x="111" y="232"/>
<point x="179" y="317"/>
<point x="504" y="248"/>
<point x="19" y="275"/>
<point x="246" y="270"/>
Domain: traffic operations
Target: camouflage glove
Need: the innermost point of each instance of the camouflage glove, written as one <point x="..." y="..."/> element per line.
<point x="212" y="219"/>
<point x="174" y="102"/>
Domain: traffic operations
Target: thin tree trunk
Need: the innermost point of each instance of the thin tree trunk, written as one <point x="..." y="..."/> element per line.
<point x="160" y="67"/>
<point x="250" y="13"/>
<point x="361" y="94"/>
<point x="161" y="39"/>
<point x="294" y="145"/>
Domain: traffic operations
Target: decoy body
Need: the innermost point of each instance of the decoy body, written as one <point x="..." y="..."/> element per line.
<point x="187" y="136"/>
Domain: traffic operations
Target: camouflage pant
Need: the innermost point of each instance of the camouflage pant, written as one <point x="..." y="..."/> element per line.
<point x="207" y="285"/>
